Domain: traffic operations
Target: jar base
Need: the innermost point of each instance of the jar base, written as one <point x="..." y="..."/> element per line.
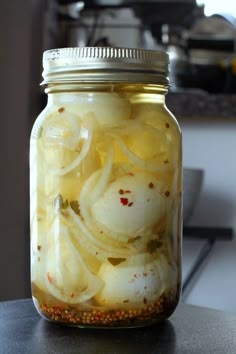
<point x="109" y="319"/>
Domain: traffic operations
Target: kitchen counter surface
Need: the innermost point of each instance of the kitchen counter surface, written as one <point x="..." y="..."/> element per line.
<point x="190" y="330"/>
<point x="189" y="103"/>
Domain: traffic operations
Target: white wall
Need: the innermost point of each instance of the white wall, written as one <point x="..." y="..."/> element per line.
<point x="211" y="144"/>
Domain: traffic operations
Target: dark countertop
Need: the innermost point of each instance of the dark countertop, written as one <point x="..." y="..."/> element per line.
<point x="190" y="330"/>
<point x="188" y="103"/>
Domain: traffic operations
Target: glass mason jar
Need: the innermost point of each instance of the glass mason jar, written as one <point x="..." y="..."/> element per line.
<point x="106" y="190"/>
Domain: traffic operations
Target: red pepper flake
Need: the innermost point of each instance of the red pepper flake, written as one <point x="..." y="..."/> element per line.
<point x="127" y="191"/>
<point x="39" y="248"/>
<point x="50" y="277"/>
<point x="72" y="295"/>
<point x="124" y="201"/>
<point x="101" y="232"/>
<point x="130" y="174"/>
<point x="61" y="109"/>
<point x="135" y="275"/>
<point x="145" y="274"/>
<point x="151" y="185"/>
<point x="130" y="204"/>
<point x="167" y="125"/>
<point x="167" y="193"/>
<point x="121" y="191"/>
<point x="96" y="253"/>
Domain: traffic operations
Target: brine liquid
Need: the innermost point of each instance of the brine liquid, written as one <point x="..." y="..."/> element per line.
<point x="105" y="209"/>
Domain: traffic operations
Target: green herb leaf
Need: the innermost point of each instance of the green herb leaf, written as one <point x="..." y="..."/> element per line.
<point x="75" y="206"/>
<point x="116" y="261"/>
<point x="59" y="203"/>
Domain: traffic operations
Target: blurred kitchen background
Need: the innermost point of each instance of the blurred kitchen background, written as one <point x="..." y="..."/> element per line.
<point x="200" y="37"/>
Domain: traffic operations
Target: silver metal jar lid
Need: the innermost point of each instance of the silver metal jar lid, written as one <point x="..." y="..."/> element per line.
<point x="102" y="64"/>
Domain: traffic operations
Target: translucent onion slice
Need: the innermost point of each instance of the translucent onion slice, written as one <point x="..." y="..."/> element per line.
<point x="83" y="153"/>
<point x="93" y="245"/>
<point x="128" y="283"/>
<point x="126" y="127"/>
<point x="91" y="224"/>
<point x="85" y="197"/>
<point x="93" y="188"/>
<point x="145" y="165"/>
<point x="62" y="129"/>
<point x="38" y="236"/>
<point x="67" y="277"/>
<point x="104" y="178"/>
<point x="88" y="196"/>
<point x="127" y="214"/>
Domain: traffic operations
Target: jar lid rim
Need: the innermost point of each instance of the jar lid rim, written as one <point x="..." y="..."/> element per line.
<point x="90" y="63"/>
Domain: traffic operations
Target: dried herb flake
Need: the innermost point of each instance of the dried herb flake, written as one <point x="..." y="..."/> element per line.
<point x="75" y="206"/>
<point x="133" y="239"/>
<point x="61" y="205"/>
<point x="116" y="261"/>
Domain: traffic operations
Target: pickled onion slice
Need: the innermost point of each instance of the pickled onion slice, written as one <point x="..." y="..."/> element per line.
<point x="83" y="153"/>
<point x="136" y="282"/>
<point x="104" y="178"/>
<point x="66" y="276"/>
<point x="62" y="129"/>
<point x="137" y="161"/>
<point x="98" y="248"/>
<point x="130" y="203"/>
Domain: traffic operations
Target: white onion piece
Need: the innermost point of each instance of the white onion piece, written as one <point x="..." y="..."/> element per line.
<point x="109" y="108"/>
<point x="93" y="245"/>
<point x="54" y="131"/>
<point x="141" y="208"/>
<point x="67" y="277"/>
<point x="104" y="178"/>
<point x="126" y="127"/>
<point x="145" y="165"/>
<point x="39" y="234"/>
<point x="83" y="153"/>
<point x="84" y="197"/>
<point x="91" y="224"/>
<point x="85" y="209"/>
<point x="134" y="282"/>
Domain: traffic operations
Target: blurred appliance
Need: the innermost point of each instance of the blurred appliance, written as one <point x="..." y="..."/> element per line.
<point x="210" y="47"/>
<point x="123" y="20"/>
<point x="119" y="27"/>
<point x="96" y="24"/>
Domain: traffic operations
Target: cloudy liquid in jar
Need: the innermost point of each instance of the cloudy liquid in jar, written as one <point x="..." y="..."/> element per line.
<point x="106" y="208"/>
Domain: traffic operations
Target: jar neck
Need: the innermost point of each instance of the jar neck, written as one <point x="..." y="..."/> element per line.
<point x="60" y="93"/>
